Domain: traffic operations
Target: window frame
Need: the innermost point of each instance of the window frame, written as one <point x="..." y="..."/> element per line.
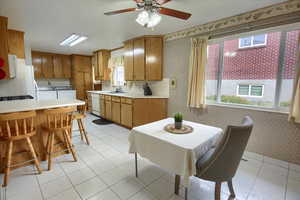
<point x="250" y="89"/>
<point x="252" y="39"/>
<point x="276" y="103"/>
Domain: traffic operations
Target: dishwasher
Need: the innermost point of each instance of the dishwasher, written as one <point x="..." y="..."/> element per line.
<point x="96" y="104"/>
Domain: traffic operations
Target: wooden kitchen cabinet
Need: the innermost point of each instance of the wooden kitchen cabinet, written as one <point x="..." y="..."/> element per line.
<point x="108" y="114"/>
<point x="128" y="60"/>
<point x="47" y="66"/>
<point x="58" y="66"/>
<point x="139" y="59"/>
<point x="51" y="66"/>
<point x="37" y="64"/>
<point x="101" y="70"/>
<point x="143" y="59"/>
<point x="67" y="67"/>
<point x="116" y="112"/>
<point x="102" y="106"/>
<point x="148" y="110"/>
<point x="4" y="70"/>
<point x="126" y="113"/>
<point x="82" y="75"/>
<point x="16" y="43"/>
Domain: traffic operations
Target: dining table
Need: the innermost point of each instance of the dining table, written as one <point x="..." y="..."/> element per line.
<point x="176" y="153"/>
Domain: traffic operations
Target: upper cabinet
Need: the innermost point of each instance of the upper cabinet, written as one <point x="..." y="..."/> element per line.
<point x="100" y="64"/>
<point x="4" y="66"/>
<point x="16" y="43"/>
<point x="143" y="58"/>
<point x="49" y="66"/>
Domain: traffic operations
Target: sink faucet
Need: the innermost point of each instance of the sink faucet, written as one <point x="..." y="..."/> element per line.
<point x="49" y="83"/>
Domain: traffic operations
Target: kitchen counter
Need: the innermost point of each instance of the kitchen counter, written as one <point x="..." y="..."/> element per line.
<point x="128" y="95"/>
<point x="30" y="104"/>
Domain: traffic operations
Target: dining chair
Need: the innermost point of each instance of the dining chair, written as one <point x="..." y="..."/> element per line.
<point x="220" y="164"/>
<point x="79" y="116"/>
<point x="14" y="127"/>
<point x="59" y="122"/>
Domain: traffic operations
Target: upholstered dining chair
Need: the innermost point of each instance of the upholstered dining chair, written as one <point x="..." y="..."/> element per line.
<point x="220" y="164"/>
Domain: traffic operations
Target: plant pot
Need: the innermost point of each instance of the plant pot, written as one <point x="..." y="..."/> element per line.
<point x="178" y="125"/>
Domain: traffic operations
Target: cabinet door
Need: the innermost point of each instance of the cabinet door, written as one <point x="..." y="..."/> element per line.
<point x="116" y="112"/>
<point x="66" y="63"/>
<point x="4" y="47"/>
<point x="37" y="64"/>
<point x="16" y="43"/>
<point x="139" y="59"/>
<point x="103" y="58"/>
<point x="154" y="55"/>
<point x="47" y="66"/>
<point x="140" y="112"/>
<point x="108" y="110"/>
<point x="102" y="108"/>
<point x="96" y="67"/>
<point x="128" y="60"/>
<point x="158" y="109"/>
<point x="126" y="115"/>
<point x="58" y="66"/>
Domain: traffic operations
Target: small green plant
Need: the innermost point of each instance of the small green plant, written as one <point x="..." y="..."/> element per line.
<point x="178" y="117"/>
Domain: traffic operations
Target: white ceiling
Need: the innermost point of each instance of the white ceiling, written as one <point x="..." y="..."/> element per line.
<point x="47" y="22"/>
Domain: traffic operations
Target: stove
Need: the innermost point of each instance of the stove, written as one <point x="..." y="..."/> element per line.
<point x="11" y="98"/>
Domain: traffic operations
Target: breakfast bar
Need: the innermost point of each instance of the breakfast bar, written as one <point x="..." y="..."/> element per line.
<point x="20" y="149"/>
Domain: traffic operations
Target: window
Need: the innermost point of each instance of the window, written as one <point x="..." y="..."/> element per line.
<point x="250" y="90"/>
<point x="257" y="77"/>
<point x="253" y="41"/>
<point x="119" y="79"/>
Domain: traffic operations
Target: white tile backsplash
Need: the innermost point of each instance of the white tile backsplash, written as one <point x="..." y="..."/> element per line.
<point x="159" y="88"/>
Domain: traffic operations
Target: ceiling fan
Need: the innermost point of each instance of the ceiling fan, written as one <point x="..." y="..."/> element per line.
<point x="151" y="10"/>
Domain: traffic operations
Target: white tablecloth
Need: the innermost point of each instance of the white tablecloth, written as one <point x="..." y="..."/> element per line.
<point x="175" y="153"/>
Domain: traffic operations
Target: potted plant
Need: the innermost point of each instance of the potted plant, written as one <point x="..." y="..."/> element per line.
<point x="178" y="120"/>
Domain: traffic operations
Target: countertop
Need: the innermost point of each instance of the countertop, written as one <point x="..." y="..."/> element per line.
<point x="128" y="95"/>
<point x="31" y="104"/>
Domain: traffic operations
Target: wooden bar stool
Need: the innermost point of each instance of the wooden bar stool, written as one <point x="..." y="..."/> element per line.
<point x="79" y="115"/>
<point x="59" y="122"/>
<point x="15" y="127"/>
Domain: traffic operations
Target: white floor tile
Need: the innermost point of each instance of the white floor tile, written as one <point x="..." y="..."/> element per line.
<point x="253" y="155"/>
<point x="161" y="189"/>
<point x="90" y="187"/>
<point x="70" y="194"/>
<point x="293" y="190"/>
<point x="81" y="175"/>
<point x="52" y="188"/>
<point x="276" y="162"/>
<point x="107" y="194"/>
<point x="294" y="167"/>
<point x="113" y="176"/>
<point x="127" y="188"/>
<point x="142" y="195"/>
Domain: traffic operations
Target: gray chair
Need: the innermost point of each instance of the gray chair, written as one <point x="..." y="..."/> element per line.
<point x="221" y="163"/>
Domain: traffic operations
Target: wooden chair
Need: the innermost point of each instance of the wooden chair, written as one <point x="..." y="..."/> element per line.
<point x="79" y="115"/>
<point x="15" y="127"/>
<point x="59" y="121"/>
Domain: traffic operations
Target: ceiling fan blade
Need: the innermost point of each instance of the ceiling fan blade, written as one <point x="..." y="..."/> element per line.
<point x="174" y="13"/>
<point x="161" y="2"/>
<point x="139" y="1"/>
<point x="121" y="11"/>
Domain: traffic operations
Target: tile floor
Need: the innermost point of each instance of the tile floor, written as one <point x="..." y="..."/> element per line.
<point x="105" y="171"/>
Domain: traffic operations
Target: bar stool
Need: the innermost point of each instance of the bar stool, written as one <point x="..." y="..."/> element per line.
<point x="59" y="122"/>
<point x="15" y="127"/>
<point x="79" y="115"/>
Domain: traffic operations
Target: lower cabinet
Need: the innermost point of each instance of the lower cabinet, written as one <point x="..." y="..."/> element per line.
<point x="126" y="115"/>
<point x="102" y="106"/>
<point x="116" y="112"/>
<point x="108" y="109"/>
<point x="131" y="112"/>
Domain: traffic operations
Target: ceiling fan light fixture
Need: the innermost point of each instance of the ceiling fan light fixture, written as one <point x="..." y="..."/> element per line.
<point x="148" y="19"/>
